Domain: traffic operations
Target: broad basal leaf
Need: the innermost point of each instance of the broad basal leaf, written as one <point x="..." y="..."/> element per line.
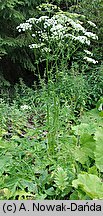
<point x="90" y="184"/>
<point x="85" y="148"/>
<point x="83" y="128"/>
<point x="87" y="142"/>
<point x="99" y="149"/>
<point x="5" y="161"/>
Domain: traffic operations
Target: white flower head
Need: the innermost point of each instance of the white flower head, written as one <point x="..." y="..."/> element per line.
<point x="33" y="35"/>
<point x="44" y="36"/>
<point x="82" y="39"/>
<point x="36" y="46"/>
<point x="90" y="60"/>
<point x="91" y="35"/>
<point x="25" y="107"/>
<point x="45" y="49"/>
<point x="92" y="24"/>
<point x="24" y="27"/>
<point x="88" y="52"/>
<point x="79" y="27"/>
<point x="56" y="27"/>
<point x="42" y="18"/>
<point x="31" y="20"/>
<point x="19" y="30"/>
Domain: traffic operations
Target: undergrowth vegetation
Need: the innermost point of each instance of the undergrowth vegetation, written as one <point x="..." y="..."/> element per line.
<point x="48" y="152"/>
<point x="51" y="134"/>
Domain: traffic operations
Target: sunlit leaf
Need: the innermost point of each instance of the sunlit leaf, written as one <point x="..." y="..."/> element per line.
<point x="99" y="149"/>
<point x="90" y="184"/>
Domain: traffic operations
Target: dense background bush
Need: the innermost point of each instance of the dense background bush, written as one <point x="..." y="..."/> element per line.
<point x="16" y="60"/>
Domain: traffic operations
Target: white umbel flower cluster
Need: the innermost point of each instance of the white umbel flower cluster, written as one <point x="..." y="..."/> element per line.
<point x="88" y="52"/>
<point x="78" y="27"/>
<point x="31" y="20"/>
<point x="24" y="27"/>
<point x="36" y="46"/>
<point x="59" y="25"/>
<point x="46" y="7"/>
<point x="45" y="49"/>
<point x="91" y="35"/>
<point x="82" y="39"/>
<point x="92" y="24"/>
<point x="56" y="28"/>
<point x="25" y="107"/>
<point x="60" y="28"/>
<point x="90" y="60"/>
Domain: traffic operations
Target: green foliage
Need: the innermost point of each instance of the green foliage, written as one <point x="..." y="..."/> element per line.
<point x="15" y="56"/>
<point x="93" y="10"/>
<point x="90" y="184"/>
<point x="99" y="149"/>
<point x="61" y="179"/>
<point x="65" y="4"/>
<point x="48" y="159"/>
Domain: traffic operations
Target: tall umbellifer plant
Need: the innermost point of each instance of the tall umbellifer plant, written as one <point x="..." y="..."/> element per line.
<point x="60" y="39"/>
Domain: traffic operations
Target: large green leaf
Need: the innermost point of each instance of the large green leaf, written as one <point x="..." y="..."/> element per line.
<point x="93" y="118"/>
<point x="85" y="148"/>
<point x="81" y="155"/>
<point x="83" y="128"/>
<point x="90" y="184"/>
<point x="30" y="185"/>
<point x="5" y="162"/>
<point x="99" y="149"/>
<point x="87" y="143"/>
